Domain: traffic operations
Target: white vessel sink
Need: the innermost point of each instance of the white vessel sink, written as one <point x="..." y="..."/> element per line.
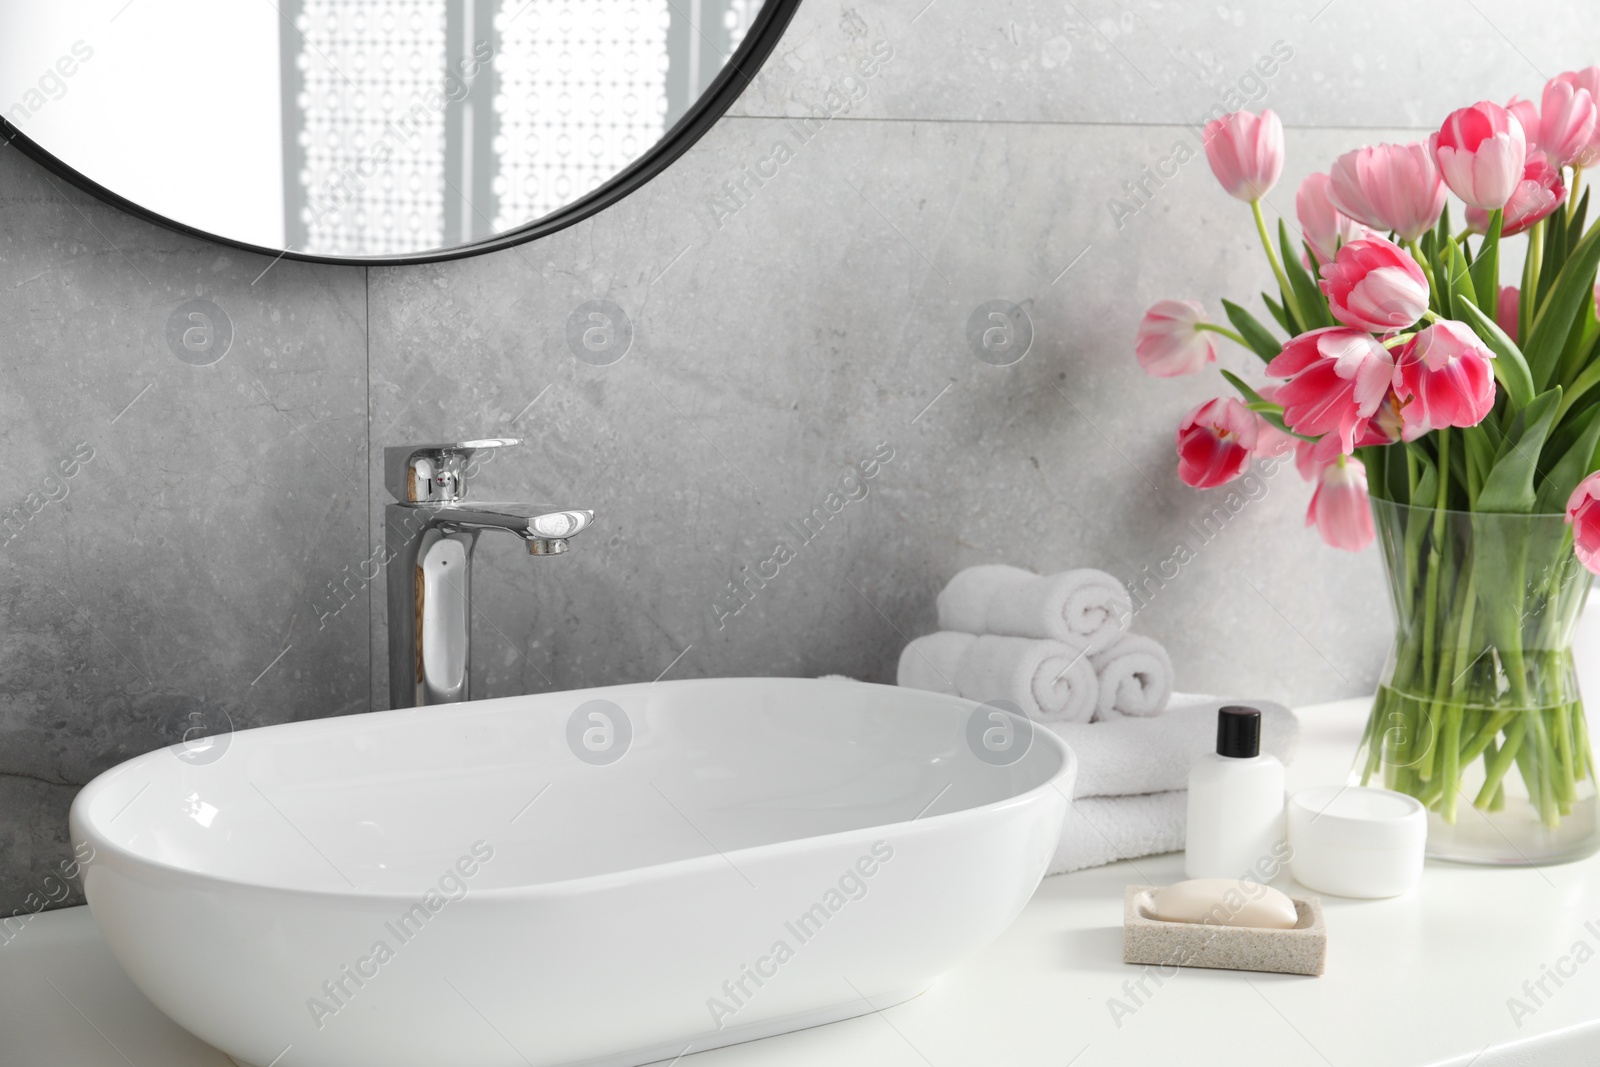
<point x="606" y="876"/>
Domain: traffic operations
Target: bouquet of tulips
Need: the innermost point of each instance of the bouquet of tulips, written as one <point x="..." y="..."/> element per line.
<point x="1411" y="383"/>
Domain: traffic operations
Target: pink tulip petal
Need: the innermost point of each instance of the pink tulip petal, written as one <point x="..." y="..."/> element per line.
<point x="1245" y="151"/>
<point x="1482" y="151"/>
<point x="1339" y="507"/>
<point x="1389" y="187"/>
<point x="1583" y="513"/>
<point x="1169" y="343"/>
<point x="1214" y="442"/>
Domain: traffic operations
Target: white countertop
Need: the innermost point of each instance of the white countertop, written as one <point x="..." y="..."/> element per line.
<point x="1417" y="981"/>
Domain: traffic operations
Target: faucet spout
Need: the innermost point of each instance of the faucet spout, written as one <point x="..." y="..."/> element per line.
<point x="544" y="531"/>
<point x="431" y="534"/>
<point x="531" y="522"/>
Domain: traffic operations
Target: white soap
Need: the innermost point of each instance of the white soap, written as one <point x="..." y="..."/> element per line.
<point x="1224" y="902"/>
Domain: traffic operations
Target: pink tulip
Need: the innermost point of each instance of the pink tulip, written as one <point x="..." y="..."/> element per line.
<point x="1566" y="122"/>
<point x="1443" y="378"/>
<point x="1389" y="187"/>
<point x="1587" y="79"/>
<point x="1271" y="441"/>
<point x="1245" y="151"/>
<point x="1583" y="515"/>
<point x="1338" y="377"/>
<point x="1215" y="442"/>
<point x="1339" y="507"/>
<point x="1170" y="342"/>
<point x="1388" y="423"/>
<point x="1509" y="308"/>
<point x="1538" y="194"/>
<point x="1311" y="458"/>
<point x="1482" y="151"/>
<point x="1374" y="284"/>
<point x="1325" y="227"/>
<point x="1527" y="113"/>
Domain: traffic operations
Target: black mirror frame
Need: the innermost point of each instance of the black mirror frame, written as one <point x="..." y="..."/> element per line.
<point x="739" y="72"/>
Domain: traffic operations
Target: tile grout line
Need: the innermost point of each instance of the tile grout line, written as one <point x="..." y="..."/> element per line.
<point x="1168" y="125"/>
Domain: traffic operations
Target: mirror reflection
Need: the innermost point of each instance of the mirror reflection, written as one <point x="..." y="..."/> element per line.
<point x="370" y="128"/>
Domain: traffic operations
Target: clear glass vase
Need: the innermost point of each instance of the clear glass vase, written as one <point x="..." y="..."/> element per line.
<point x="1478" y="713"/>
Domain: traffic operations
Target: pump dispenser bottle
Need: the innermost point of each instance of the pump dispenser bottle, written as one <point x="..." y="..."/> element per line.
<point x="1235" y="802"/>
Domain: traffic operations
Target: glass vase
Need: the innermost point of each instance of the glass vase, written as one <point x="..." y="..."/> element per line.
<point x="1478" y="714"/>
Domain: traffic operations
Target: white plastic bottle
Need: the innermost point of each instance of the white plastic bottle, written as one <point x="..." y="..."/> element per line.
<point x="1235" y="802"/>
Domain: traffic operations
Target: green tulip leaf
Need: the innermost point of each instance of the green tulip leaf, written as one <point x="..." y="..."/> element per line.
<point x="1486" y="266"/>
<point x="1257" y="336"/>
<point x="1574" y="465"/>
<point x="1480" y="456"/>
<point x="1456" y="278"/>
<point x="1561" y="309"/>
<point x="1313" y="305"/>
<point x="1279" y="314"/>
<point x="1509" y="487"/>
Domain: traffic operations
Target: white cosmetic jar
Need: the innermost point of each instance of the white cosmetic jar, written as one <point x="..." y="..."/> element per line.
<point x="1352" y="841"/>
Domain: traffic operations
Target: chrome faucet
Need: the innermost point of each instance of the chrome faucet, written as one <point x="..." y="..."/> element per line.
<point x="431" y="532"/>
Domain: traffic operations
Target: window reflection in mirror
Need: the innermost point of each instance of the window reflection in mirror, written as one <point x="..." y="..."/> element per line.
<point x="359" y="127"/>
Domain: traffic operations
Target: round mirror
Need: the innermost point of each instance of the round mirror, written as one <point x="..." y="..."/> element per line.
<point x="365" y="131"/>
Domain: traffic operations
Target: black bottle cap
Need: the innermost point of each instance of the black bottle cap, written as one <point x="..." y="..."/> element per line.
<point x="1238" y="732"/>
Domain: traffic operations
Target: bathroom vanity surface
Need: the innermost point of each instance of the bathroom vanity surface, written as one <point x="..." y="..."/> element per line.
<point x="1425" y="979"/>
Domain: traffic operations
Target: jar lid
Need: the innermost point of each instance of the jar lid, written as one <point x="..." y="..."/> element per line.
<point x="1356" y="816"/>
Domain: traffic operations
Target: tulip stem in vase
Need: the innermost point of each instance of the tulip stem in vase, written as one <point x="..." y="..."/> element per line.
<point x="1532" y="265"/>
<point x="1530" y="280"/>
<point x="1454" y="421"/>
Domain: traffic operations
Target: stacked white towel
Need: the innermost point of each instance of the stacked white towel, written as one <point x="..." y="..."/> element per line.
<point x="1131" y="797"/>
<point x="1055" y="645"/>
<point x="1083" y="608"/>
<point x="1135" y="675"/>
<point x="1050" y="682"/>
<point x="1154" y="755"/>
<point x="1101" y="830"/>
<point x="1058" y="647"/>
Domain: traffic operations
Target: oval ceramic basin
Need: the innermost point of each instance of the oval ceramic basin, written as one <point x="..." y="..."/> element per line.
<point x="604" y="876"/>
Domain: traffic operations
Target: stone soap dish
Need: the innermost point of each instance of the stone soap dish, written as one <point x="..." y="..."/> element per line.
<point x="1146" y="939"/>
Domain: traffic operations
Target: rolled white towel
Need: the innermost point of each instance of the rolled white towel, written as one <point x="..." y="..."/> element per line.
<point x="1049" y="681"/>
<point x="1135" y="675"/>
<point x="1083" y="607"/>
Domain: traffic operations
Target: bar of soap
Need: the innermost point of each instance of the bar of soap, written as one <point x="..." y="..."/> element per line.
<point x="1224" y="902"/>
<point x="1148" y="940"/>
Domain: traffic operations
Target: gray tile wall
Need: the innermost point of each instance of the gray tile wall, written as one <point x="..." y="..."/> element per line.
<point x="777" y="339"/>
<point x="171" y="574"/>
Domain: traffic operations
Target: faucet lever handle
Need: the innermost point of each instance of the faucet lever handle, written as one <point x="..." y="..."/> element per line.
<point x="434" y="474"/>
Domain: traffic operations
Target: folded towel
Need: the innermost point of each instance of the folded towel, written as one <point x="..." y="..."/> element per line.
<point x="1101" y="830"/>
<point x="1080" y="608"/>
<point x="1050" y="682"/>
<point x="1135" y="677"/>
<point x="1126" y="756"/>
